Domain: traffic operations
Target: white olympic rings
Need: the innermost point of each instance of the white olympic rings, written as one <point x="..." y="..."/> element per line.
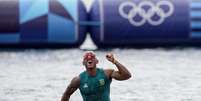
<point x="154" y="9"/>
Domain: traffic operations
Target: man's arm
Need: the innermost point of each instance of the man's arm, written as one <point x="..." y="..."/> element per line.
<point x="121" y="74"/>
<point x="72" y="87"/>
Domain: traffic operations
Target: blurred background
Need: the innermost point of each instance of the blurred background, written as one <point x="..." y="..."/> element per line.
<point x="158" y="74"/>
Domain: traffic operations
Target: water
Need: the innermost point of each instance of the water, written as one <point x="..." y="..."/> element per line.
<point x="158" y="74"/>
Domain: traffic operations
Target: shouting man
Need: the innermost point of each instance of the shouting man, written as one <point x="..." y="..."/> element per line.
<point x="94" y="83"/>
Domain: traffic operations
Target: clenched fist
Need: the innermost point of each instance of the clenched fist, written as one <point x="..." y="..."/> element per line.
<point x="110" y="57"/>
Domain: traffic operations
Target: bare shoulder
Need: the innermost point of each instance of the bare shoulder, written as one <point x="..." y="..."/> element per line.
<point x="75" y="81"/>
<point x="108" y="72"/>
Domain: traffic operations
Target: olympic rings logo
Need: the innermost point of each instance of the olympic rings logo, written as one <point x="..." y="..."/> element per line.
<point x="154" y="9"/>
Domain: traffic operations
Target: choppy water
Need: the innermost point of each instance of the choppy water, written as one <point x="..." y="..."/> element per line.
<point x="158" y="74"/>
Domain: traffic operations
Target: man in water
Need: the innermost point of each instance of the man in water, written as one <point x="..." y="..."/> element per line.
<point x="94" y="83"/>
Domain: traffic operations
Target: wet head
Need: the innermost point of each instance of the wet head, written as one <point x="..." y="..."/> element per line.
<point x="90" y="60"/>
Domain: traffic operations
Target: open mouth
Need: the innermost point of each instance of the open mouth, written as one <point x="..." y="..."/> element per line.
<point x="89" y="62"/>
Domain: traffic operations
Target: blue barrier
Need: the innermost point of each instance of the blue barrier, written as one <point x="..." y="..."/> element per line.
<point x="146" y="22"/>
<point x="109" y="22"/>
<point x="41" y="22"/>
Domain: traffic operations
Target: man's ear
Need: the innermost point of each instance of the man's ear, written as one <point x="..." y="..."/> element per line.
<point x="84" y="62"/>
<point x="97" y="61"/>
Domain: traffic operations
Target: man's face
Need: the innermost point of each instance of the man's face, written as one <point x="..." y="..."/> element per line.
<point x="90" y="60"/>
